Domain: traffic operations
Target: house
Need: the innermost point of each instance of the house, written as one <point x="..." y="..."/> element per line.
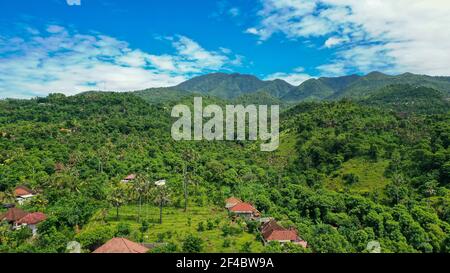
<point x="272" y="231"/>
<point x="23" y="194"/>
<point x="129" y="178"/>
<point x="121" y="245"/>
<point x="13" y="215"/>
<point x="245" y="210"/>
<point x="231" y="202"/>
<point x="31" y="220"/>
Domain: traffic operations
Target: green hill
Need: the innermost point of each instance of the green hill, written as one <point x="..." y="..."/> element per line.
<point x="357" y="87"/>
<point x="409" y="98"/>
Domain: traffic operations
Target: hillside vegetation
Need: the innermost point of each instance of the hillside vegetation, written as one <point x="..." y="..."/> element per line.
<point x="345" y="174"/>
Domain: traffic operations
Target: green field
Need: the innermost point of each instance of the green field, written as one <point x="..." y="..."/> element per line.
<point x="370" y="174"/>
<point x="177" y="224"/>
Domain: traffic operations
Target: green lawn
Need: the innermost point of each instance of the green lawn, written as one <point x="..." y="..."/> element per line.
<point x="176" y="222"/>
<point x="370" y="174"/>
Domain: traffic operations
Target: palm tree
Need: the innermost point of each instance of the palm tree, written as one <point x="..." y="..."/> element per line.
<point x="118" y="197"/>
<point x="140" y="187"/>
<point x="161" y="198"/>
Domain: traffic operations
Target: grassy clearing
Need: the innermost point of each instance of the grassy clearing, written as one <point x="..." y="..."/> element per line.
<point x="370" y="175"/>
<point x="177" y="224"/>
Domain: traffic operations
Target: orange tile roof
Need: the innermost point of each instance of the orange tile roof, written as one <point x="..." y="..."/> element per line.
<point x="22" y="190"/>
<point x="121" y="245"/>
<point x="272" y="231"/>
<point x="32" y="218"/>
<point x="13" y="214"/>
<point x="282" y="235"/>
<point x="243" y="207"/>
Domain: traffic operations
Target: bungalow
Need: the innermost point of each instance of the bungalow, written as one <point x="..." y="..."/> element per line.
<point x="23" y="194"/>
<point x="231" y="202"/>
<point x="129" y="178"/>
<point x="273" y="232"/>
<point x="245" y="210"/>
<point x="13" y="215"/>
<point x="31" y="220"/>
<point x="121" y="245"/>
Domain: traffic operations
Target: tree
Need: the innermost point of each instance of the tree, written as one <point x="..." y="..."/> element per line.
<point x="192" y="244"/>
<point x="350" y="178"/>
<point x="118" y="197"/>
<point x="140" y="189"/>
<point x="397" y="190"/>
<point x="161" y="198"/>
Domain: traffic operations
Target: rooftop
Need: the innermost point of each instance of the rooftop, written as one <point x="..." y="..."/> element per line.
<point x="121" y="245"/>
<point x="32" y="218"/>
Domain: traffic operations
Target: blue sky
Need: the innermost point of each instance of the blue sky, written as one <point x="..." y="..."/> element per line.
<point x="71" y="46"/>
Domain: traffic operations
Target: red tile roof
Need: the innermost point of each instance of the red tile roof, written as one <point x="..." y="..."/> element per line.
<point x="33" y="218"/>
<point x="243" y="207"/>
<point x="282" y="235"/>
<point x="121" y="245"/>
<point x="22" y="190"/>
<point x="272" y="231"/>
<point x="13" y="215"/>
<point x="270" y="226"/>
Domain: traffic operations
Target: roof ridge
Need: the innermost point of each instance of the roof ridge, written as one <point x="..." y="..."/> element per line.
<point x="126" y="244"/>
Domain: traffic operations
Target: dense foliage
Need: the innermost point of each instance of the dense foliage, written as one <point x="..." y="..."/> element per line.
<point x="75" y="150"/>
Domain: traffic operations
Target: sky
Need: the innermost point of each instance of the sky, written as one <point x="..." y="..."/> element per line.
<point x="70" y="46"/>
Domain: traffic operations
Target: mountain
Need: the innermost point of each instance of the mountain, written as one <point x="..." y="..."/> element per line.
<point x="276" y="88"/>
<point x="410" y="99"/>
<point x="230" y="86"/>
<point x="311" y="89"/>
<point x="242" y="88"/>
<point x="359" y="87"/>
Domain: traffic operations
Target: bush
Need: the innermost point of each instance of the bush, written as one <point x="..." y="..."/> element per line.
<point x="123" y="230"/>
<point x="144" y="226"/>
<point x="226" y="242"/>
<point x="350" y="178"/>
<point x="200" y="227"/>
<point x="246" y="247"/>
<point x="192" y="244"/>
<point x="94" y="237"/>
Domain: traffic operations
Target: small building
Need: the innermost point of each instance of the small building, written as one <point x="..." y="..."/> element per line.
<point x="23" y="194"/>
<point x="245" y="210"/>
<point x="272" y="231"/>
<point x="121" y="245"/>
<point x="231" y="202"/>
<point x="13" y="215"/>
<point x="129" y="178"/>
<point x="31" y="220"/>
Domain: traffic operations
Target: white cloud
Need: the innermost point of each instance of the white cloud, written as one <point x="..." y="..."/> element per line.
<point x="73" y="2"/>
<point x="234" y="12"/>
<point x="333" y="69"/>
<point x="389" y="35"/>
<point x="62" y="60"/>
<point x="252" y="30"/>
<point x="294" y="78"/>
<point x="334" y="41"/>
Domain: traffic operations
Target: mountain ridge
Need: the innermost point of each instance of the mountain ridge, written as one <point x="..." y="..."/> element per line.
<point x="235" y="85"/>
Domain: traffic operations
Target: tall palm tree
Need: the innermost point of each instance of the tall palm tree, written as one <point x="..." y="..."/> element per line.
<point x="118" y="197"/>
<point x="161" y="197"/>
<point x="140" y="187"/>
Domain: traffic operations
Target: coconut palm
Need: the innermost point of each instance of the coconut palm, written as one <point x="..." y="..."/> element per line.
<point x="161" y="197"/>
<point x="118" y="197"/>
